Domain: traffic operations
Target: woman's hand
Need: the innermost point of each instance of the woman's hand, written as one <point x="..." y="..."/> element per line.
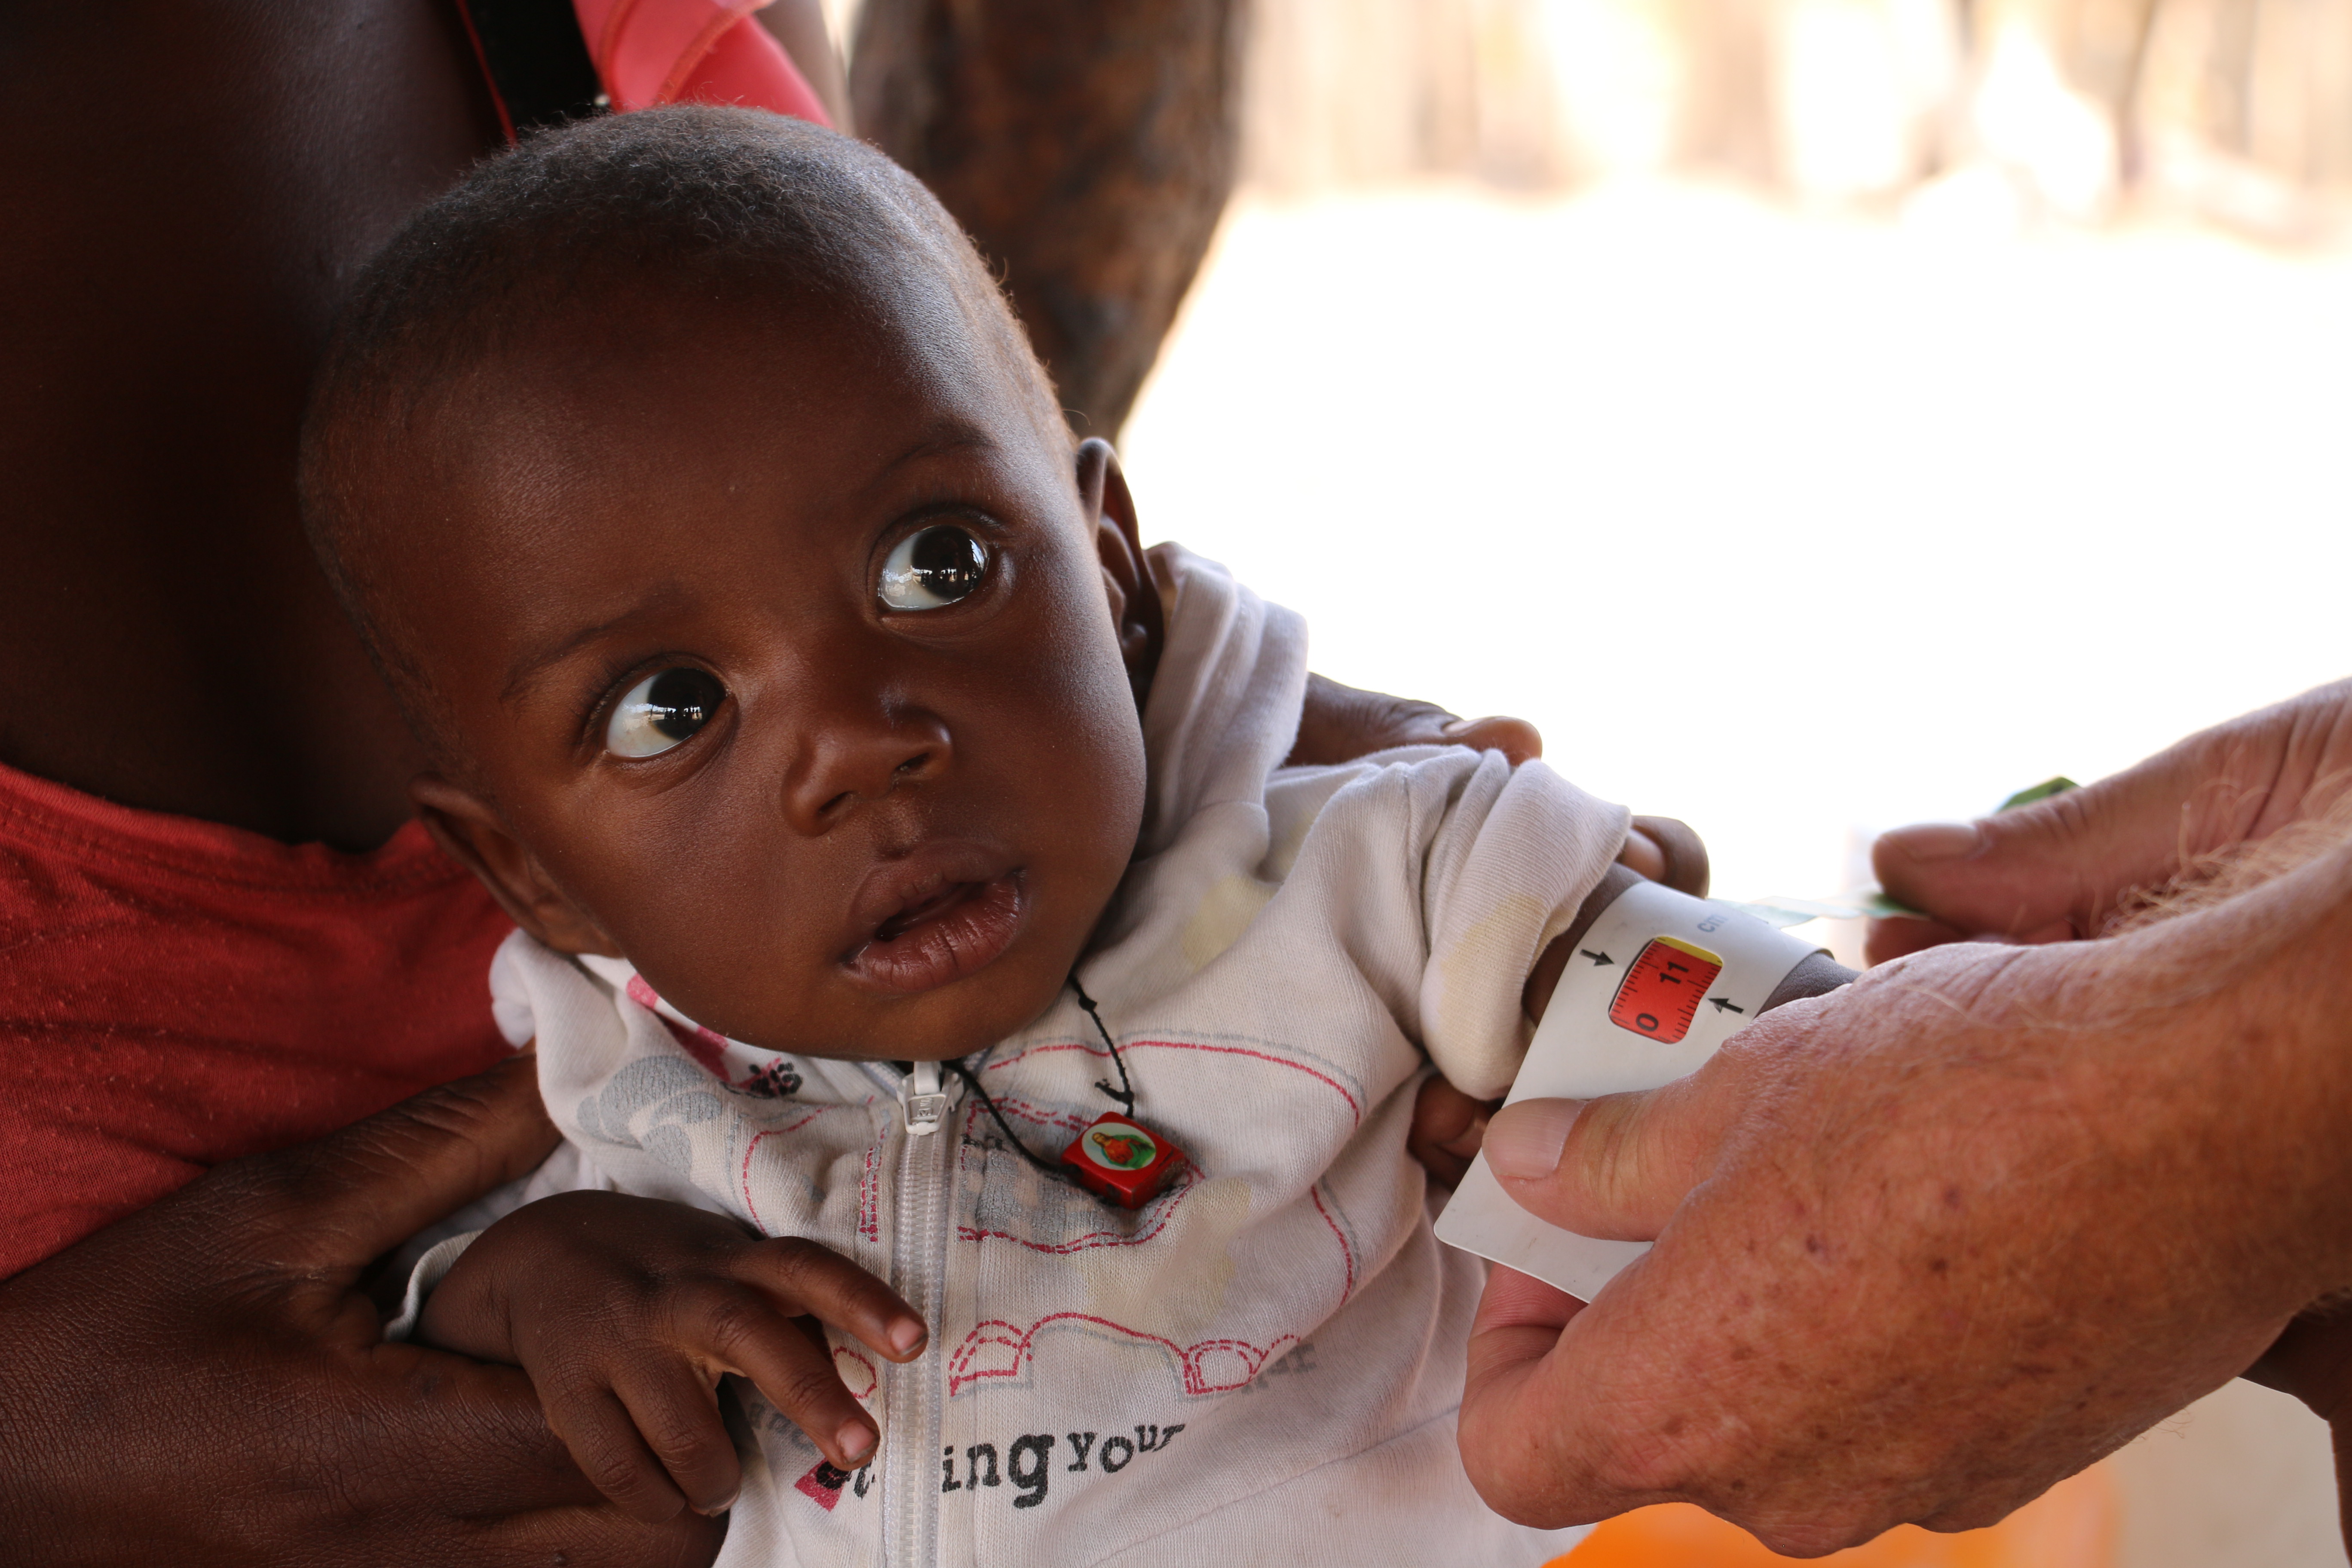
<point x="1341" y="723"/>
<point x="202" y="1382"/>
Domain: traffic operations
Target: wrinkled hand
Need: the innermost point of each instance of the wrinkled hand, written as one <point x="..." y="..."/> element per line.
<point x="2274" y="781"/>
<point x="202" y="1382"/>
<point x="626" y="1310"/>
<point x="2056" y="869"/>
<point x="1929" y="1243"/>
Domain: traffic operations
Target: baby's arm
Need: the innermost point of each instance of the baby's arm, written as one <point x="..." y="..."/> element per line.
<point x="626" y="1310"/>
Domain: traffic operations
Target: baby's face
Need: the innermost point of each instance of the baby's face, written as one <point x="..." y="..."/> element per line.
<point x="782" y="652"/>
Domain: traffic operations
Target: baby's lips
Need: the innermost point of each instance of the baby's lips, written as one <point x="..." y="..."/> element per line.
<point x="951" y="940"/>
<point x="897" y="884"/>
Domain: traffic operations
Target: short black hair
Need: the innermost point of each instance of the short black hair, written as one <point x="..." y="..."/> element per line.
<point x="688" y="194"/>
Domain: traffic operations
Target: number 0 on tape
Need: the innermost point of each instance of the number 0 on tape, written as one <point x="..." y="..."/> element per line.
<point x="1662" y="992"/>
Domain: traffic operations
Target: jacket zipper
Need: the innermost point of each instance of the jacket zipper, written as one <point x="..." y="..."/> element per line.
<point x="910" y="1487"/>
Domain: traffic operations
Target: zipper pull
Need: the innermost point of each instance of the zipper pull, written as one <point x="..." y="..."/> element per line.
<point x="922" y="1099"/>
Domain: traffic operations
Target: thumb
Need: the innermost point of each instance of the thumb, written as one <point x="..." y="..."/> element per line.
<point x="2056" y="868"/>
<point x="2043" y="872"/>
<point x="331" y="1206"/>
<point x="1615" y="1167"/>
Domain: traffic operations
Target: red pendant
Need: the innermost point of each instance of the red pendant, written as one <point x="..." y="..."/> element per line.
<point x="1122" y="1162"/>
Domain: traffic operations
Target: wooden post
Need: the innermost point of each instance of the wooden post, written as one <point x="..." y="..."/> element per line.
<point x="1087" y="145"/>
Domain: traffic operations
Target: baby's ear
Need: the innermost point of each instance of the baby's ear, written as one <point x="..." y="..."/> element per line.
<point x="462" y="824"/>
<point x="1128" y="577"/>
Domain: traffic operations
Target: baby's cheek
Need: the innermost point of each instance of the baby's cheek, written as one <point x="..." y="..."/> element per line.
<point x="745" y="950"/>
<point x="1075" y="783"/>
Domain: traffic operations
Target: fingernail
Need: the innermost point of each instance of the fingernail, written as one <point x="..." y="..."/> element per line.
<point x="1524" y="1141"/>
<point x="855" y="1439"/>
<point x="1936" y="840"/>
<point x="1469" y="1142"/>
<point x="714" y="1510"/>
<point x="1456" y="726"/>
<point x="906" y="1335"/>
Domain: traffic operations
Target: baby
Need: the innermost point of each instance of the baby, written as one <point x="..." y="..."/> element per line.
<point x="880" y="817"/>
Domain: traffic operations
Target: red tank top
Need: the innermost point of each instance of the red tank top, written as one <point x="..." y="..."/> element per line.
<point x="174" y="992"/>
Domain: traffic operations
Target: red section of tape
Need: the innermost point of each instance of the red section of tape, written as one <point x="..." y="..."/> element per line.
<point x="1660" y="993"/>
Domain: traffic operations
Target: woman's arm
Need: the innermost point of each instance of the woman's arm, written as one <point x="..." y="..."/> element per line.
<point x="202" y="1382"/>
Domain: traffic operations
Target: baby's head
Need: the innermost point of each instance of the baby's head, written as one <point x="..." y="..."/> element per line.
<point x="705" y="505"/>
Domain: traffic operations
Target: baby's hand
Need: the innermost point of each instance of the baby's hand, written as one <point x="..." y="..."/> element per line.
<point x="626" y="1310"/>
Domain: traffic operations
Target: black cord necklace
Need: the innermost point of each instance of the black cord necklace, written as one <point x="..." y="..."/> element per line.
<point x="1111" y="1156"/>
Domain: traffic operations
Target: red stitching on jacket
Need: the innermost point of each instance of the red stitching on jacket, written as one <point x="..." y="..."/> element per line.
<point x="1347" y="1253"/>
<point x="1190" y="1358"/>
<point x="1325" y="1079"/>
<point x="1092" y="1239"/>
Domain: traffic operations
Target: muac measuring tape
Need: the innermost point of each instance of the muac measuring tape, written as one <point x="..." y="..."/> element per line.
<point x="1657" y="982"/>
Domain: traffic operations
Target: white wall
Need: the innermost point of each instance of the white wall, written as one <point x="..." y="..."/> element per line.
<point x="1790" y="526"/>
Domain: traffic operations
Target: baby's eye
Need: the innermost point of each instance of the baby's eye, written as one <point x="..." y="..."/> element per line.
<point x="662" y="710"/>
<point x="933" y="569"/>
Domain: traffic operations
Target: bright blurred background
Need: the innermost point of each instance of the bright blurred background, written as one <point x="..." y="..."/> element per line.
<point x="1816" y="416"/>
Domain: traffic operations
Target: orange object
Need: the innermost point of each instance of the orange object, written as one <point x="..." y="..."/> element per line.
<point x="1663" y="990"/>
<point x="2072" y="1525"/>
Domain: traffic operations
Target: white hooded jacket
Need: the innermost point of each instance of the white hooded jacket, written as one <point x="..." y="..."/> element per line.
<point x="1264" y="1363"/>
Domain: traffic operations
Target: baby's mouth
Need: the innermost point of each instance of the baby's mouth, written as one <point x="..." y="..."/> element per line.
<point x="906" y="919"/>
<point x="935" y="929"/>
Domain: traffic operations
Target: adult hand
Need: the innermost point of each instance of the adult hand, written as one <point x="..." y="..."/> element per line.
<point x="202" y="1382"/>
<point x="2060" y="867"/>
<point x="1931" y="1243"/>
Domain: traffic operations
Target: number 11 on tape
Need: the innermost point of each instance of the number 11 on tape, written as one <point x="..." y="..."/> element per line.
<point x="1660" y="993"/>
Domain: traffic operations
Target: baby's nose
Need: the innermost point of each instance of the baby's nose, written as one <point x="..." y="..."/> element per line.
<point x="854" y="762"/>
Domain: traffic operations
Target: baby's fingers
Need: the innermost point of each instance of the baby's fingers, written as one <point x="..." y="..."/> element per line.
<point x="604" y="1443"/>
<point x="675" y="1411"/>
<point x="806" y="1279"/>
<point x="741" y="1332"/>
